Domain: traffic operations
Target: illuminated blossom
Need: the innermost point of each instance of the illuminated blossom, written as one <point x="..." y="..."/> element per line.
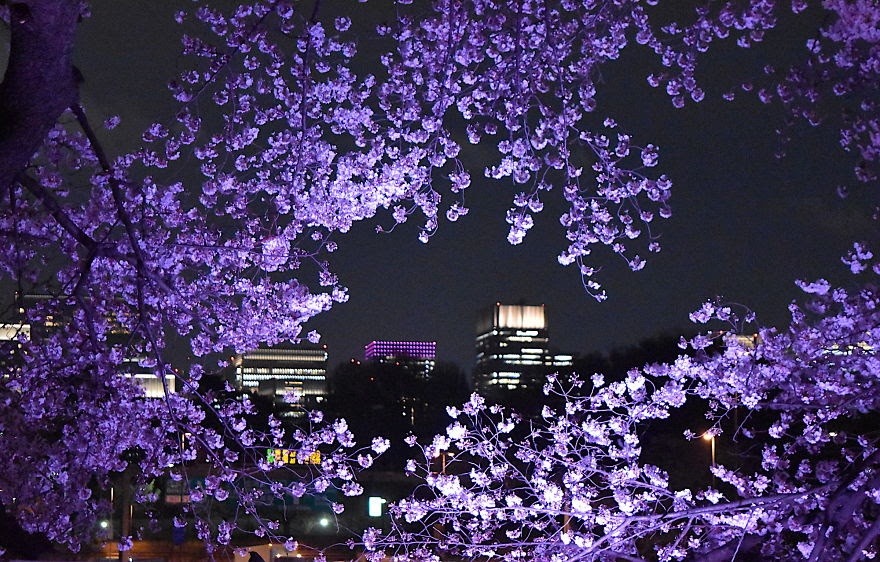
<point x="285" y="141"/>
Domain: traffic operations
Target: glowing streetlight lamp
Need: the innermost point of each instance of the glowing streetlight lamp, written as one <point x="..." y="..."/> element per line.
<point x="710" y="437"/>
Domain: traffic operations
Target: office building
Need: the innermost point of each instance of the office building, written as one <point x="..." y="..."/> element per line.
<point x="513" y="349"/>
<point x="146" y="378"/>
<point x="300" y="369"/>
<point x="416" y="356"/>
<point x="38" y="321"/>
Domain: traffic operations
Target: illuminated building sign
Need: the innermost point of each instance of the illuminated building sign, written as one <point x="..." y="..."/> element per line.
<point x="411" y="349"/>
<point x="287" y="456"/>
<point x="177" y="491"/>
<point x="416" y="356"/>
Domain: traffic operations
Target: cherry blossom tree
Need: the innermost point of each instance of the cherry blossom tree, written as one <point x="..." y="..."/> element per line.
<point x="573" y="485"/>
<point x="297" y="134"/>
<point x="120" y="251"/>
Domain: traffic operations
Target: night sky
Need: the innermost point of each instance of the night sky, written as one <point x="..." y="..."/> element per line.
<point x="745" y="225"/>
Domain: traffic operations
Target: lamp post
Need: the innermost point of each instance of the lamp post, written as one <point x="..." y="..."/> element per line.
<point x="710" y="437"/>
<point x="438" y="530"/>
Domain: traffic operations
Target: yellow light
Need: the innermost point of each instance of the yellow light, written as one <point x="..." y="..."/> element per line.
<point x="708" y="436"/>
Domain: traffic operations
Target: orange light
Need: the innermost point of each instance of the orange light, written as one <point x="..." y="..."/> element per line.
<point x="708" y="436"/>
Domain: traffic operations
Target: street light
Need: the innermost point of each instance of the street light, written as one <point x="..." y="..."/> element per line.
<point x="710" y="437"/>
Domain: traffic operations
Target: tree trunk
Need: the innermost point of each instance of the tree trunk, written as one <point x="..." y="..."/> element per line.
<point x="40" y="80"/>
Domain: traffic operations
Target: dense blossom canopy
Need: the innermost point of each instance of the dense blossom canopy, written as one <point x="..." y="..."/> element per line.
<point x="297" y="132"/>
<point x="572" y="485"/>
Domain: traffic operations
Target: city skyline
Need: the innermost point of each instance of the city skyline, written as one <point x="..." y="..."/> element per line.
<point x="745" y="225"/>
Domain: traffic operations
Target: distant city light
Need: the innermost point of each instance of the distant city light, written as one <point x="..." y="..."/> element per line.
<point x="374" y="506"/>
<point x="410" y="349"/>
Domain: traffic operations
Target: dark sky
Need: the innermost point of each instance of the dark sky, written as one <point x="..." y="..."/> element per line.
<point x="745" y="225"/>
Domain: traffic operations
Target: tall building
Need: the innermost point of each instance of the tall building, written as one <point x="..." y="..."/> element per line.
<point x="513" y="349"/>
<point x="286" y="368"/>
<point x="417" y="356"/>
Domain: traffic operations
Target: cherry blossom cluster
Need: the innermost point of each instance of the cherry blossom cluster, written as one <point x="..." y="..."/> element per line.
<point x="67" y="422"/>
<point x="72" y="425"/>
<point x="843" y="68"/>
<point x="837" y="69"/>
<point x="571" y="484"/>
<point x="522" y="76"/>
<point x="134" y="262"/>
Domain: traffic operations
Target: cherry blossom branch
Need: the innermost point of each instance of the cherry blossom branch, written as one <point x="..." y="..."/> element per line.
<point x="57" y="212"/>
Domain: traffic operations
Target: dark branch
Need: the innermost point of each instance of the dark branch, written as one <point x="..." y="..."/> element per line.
<point x="728" y="550"/>
<point x="61" y="217"/>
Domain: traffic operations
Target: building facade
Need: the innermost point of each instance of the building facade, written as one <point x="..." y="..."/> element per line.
<point x="37" y="323"/>
<point x="513" y="349"/>
<point x="418" y="357"/>
<point x="300" y="369"/>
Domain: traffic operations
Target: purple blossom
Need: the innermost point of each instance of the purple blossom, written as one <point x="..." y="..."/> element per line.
<point x="304" y="145"/>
